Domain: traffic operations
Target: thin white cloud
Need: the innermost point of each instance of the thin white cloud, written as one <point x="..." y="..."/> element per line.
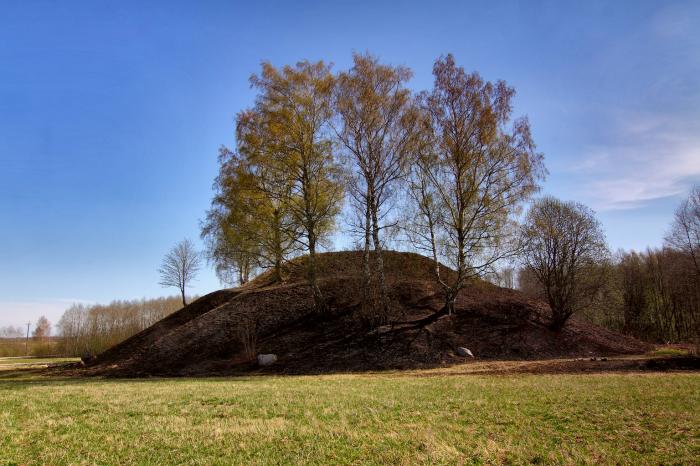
<point x="647" y="145"/>
<point x="651" y="157"/>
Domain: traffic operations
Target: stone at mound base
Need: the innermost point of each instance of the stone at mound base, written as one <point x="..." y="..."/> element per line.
<point x="266" y="359"/>
<point x="462" y="351"/>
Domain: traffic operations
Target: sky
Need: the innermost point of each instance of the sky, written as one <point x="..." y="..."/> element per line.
<point x="111" y="114"/>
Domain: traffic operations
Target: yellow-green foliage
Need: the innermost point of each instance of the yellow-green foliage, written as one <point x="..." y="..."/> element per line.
<point x="669" y="351"/>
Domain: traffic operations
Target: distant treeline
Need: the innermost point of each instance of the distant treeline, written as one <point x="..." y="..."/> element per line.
<point x="91" y="329"/>
<point x="87" y="329"/>
<point x="33" y="346"/>
<point x="15" y="341"/>
<point x="652" y="295"/>
<point x="658" y="295"/>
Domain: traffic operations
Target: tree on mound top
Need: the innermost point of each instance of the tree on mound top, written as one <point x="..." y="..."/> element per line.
<point x="377" y="131"/>
<point x="231" y="222"/>
<point x="290" y="143"/>
<point x="247" y="227"/>
<point x="475" y="168"/>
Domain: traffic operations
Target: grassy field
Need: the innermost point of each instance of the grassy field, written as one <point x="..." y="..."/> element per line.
<point x="393" y="418"/>
<point x="9" y="363"/>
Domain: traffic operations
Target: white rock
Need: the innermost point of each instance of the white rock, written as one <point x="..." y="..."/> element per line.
<point x="266" y="359"/>
<point x="462" y="351"/>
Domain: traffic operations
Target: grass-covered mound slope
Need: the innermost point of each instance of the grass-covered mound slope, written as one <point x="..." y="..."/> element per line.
<point x="206" y="337"/>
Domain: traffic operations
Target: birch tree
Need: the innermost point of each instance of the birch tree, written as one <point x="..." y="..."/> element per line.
<point x="248" y="226"/>
<point x="377" y="131"/>
<point x="293" y="145"/>
<point x="475" y="169"/>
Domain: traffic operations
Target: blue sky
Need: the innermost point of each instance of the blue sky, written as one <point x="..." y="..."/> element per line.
<point x="111" y="114"/>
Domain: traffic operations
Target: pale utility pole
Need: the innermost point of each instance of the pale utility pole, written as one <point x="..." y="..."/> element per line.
<point x="26" y="343"/>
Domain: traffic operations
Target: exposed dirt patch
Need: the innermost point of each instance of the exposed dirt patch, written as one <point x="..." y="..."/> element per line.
<point x="495" y="323"/>
<point x="596" y="365"/>
<point x="675" y="363"/>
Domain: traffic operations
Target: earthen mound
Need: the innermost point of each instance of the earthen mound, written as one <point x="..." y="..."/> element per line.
<point x="214" y="334"/>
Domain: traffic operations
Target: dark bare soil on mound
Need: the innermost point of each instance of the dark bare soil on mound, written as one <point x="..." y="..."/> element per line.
<point x="206" y="337"/>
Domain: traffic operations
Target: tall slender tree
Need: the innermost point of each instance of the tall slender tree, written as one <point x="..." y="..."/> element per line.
<point x="377" y="130"/>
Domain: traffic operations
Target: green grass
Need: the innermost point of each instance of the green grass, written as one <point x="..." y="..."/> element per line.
<point x="668" y="351"/>
<point x="22" y="361"/>
<point x="372" y="418"/>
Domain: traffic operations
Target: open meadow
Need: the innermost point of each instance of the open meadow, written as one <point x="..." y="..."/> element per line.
<point x="350" y="233"/>
<point x="438" y="417"/>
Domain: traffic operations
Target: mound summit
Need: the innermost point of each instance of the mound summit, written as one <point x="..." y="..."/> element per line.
<point x="206" y="337"/>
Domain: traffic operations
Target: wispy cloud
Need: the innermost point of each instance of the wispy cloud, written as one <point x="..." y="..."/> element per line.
<point x="646" y="142"/>
<point x="653" y="157"/>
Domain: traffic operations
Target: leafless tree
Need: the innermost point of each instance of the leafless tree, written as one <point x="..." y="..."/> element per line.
<point x="504" y="277"/>
<point x="91" y="329"/>
<point x="180" y="266"/>
<point x="685" y="230"/>
<point x="564" y="247"/>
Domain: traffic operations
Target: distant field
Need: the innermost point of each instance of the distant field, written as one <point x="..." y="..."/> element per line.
<point x="33" y="347"/>
<point x="10" y="363"/>
<point x="394" y="418"/>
